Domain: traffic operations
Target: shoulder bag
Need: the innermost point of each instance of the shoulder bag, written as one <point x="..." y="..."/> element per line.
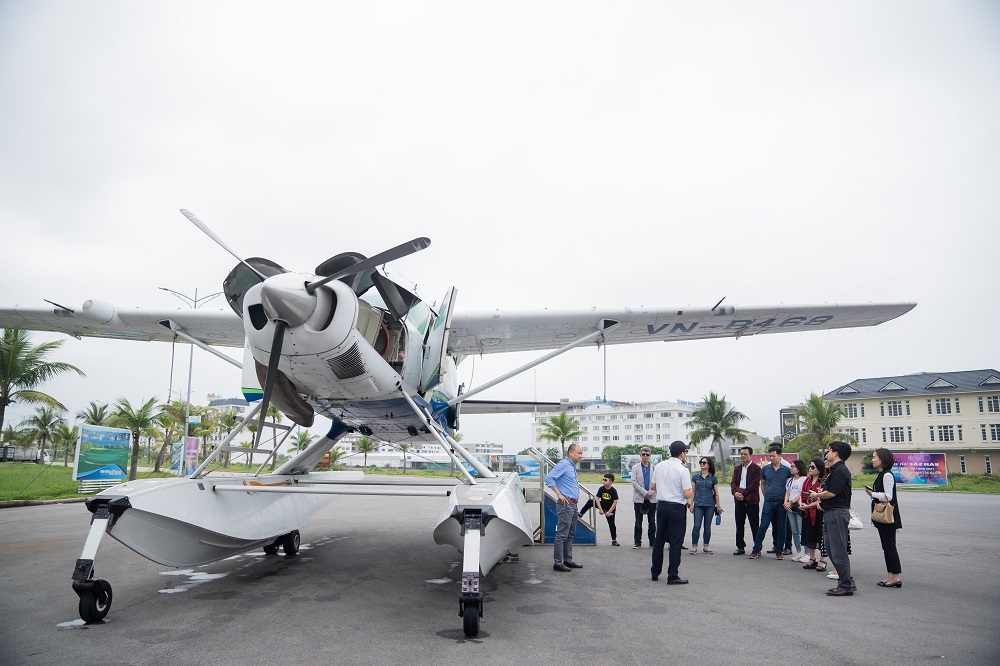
<point x="882" y="513"/>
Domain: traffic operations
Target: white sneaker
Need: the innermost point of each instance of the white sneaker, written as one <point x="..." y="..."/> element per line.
<point x="833" y="575"/>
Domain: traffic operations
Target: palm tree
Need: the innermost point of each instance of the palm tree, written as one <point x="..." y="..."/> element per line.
<point x="819" y="418"/>
<point x="365" y="446"/>
<point x="227" y="421"/>
<point x="336" y="453"/>
<point x="404" y="447"/>
<point x="301" y="441"/>
<point x="23" y="368"/>
<point x="42" y="426"/>
<point x="166" y="421"/>
<point x="138" y="420"/>
<point x="718" y="420"/>
<point x="94" y="414"/>
<point x="66" y="437"/>
<point x="559" y="428"/>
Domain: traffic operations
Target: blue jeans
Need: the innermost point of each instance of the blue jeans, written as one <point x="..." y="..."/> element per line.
<point x="770" y="508"/>
<point x="795" y="520"/>
<point x="567" y="514"/>
<point x="702" y="513"/>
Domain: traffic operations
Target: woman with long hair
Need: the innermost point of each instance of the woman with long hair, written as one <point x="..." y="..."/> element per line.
<point x="793" y="494"/>
<point x="812" y="517"/>
<point x="705" y="502"/>
<point x="884" y="490"/>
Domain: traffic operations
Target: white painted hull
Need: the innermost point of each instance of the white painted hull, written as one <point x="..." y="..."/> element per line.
<point x="505" y="533"/>
<point x="183" y="523"/>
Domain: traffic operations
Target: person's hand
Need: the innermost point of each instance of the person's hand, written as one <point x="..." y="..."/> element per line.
<point x="788" y="506"/>
<point x="738" y="496"/>
<point x="869" y="492"/>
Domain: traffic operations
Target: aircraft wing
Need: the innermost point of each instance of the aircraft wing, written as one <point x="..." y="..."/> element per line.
<point x="508" y="331"/>
<point x="103" y="320"/>
<point x="510" y="407"/>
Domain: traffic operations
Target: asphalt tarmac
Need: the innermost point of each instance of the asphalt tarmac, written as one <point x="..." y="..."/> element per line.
<point x="371" y="587"/>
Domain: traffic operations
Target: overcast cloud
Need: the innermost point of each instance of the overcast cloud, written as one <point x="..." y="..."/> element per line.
<point x="562" y="154"/>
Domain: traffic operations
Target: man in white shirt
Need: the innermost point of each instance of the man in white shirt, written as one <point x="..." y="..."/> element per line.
<point x="672" y="483"/>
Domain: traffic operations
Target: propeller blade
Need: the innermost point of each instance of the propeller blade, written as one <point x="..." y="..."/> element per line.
<point x="397" y="252"/>
<point x="211" y="234"/>
<point x="272" y="371"/>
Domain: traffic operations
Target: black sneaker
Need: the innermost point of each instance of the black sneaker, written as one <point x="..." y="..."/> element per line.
<point x="772" y="551"/>
<point x="787" y="551"/>
<point x="636" y="545"/>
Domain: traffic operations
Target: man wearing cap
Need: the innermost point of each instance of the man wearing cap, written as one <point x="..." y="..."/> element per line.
<point x="562" y="481"/>
<point x="672" y="483"/>
<point x="643" y="499"/>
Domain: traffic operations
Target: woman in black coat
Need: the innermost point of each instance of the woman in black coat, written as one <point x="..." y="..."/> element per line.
<point x="884" y="490"/>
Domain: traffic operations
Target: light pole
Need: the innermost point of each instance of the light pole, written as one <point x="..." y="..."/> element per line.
<point x="193" y="303"/>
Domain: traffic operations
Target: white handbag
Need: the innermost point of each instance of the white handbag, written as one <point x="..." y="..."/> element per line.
<point x="855" y="523"/>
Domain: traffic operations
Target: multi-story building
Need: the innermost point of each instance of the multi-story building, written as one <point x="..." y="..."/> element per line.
<point x="955" y="413"/>
<point x="607" y="423"/>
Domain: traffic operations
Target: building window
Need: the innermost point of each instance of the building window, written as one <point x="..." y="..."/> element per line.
<point x="907" y="407"/>
<point x="896" y="434"/>
<point x="958" y="409"/>
<point x="632" y="416"/>
<point x="961" y="464"/>
<point x="665" y="415"/>
<point x="628" y="426"/>
<point x="883" y="435"/>
<point x="605" y="428"/>
<point x="946" y="433"/>
<point x="881" y="409"/>
<point x="942" y="405"/>
<point x="852" y="410"/>
<point x="614" y="438"/>
<point x="614" y="427"/>
<point x="647" y="415"/>
<point x="929" y="406"/>
<point x="909" y="434"/>
<point x="993" y="403"/>
<point x="864" y="436"/>
<point x="614" y="417"/>
<point x="895" y="408"/>
<point x="638" y="426"/>
<point x="959" y="428"/>
<point x="995" y="432"/>
<point x="649" y="437"/>
<point x="931" y="429"/>
<point x="989" y="467"/>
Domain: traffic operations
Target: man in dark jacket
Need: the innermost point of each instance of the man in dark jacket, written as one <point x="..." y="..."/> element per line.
<point x="745" y="486"/>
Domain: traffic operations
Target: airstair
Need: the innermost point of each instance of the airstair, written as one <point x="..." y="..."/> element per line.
<point x="586" y="528"/>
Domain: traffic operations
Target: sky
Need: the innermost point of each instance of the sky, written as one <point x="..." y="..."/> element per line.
<point x="558" y="154"/>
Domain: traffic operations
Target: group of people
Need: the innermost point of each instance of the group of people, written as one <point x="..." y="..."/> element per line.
<point x="807" y="505"/>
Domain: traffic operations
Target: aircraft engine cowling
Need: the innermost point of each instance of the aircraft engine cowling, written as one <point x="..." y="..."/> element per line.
<point x="331" y="354"/>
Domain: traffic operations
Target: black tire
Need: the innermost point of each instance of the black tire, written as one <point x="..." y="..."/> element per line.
<point x="271" y="548"/>
<point x="470" y="618"/>
<point x="92" y="608"/>
<point x="290" y="543"/>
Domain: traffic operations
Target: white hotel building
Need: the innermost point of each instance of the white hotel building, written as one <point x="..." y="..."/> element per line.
<point x="620" y="424"/>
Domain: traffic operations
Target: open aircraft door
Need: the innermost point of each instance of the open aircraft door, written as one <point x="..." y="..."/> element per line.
<point x="436" y="344"/>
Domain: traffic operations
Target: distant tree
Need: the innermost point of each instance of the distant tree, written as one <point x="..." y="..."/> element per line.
<point x="560" y="428"/>
<point x="41" y="426"/>
<point x="137" y="419"/>
<point x="301" y="441"/>
<point x="274" y="414"/>
<point x="552" y="453"/>
<point x="717" y="420"/>
<point x="23" y="368"/>
<point x="404" y="447"/>
<point x="66" y="437"/>
<point x="228" y="422"/>
<point x="336" y="453"/>
<point x="94" y="414"/>
<point x="866" y="464"/>
<point x="366" y="445"/>
<point x="819" y="419"/>
<point x="612" y="455"/>
<point x="171" y="421"/>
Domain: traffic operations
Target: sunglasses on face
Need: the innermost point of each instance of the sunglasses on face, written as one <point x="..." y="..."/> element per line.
<point x="645" y="455"/>
<point x="703" y="462"/>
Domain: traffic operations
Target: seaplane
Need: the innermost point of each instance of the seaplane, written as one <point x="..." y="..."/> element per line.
<point x="350" y="344"/>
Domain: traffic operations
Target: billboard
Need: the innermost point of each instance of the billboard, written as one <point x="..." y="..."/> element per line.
<point x="632" y="459"/>
<point x="920" y="469"/>
<point x="102" y="454"/>
<point x="189" y="456"/>
<point x="526" y="466"/>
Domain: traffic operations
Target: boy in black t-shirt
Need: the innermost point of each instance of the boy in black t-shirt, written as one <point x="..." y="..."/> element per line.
<point x="607" y="502"/>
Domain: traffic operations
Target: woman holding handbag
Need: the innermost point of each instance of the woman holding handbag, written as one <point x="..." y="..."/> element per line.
<point x="812" y="518"/>
<point x="884" y="490"/>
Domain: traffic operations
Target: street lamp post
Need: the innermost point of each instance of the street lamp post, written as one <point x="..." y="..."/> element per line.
<point x="193" y="303"/>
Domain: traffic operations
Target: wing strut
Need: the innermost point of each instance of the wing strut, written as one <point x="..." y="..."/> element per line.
<point x="448" y="443"/>
<point x="602" y="326"/>
<point x="179" y="332"/>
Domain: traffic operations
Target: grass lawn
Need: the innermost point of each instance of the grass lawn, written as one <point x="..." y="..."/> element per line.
<point x="21" y="481"/>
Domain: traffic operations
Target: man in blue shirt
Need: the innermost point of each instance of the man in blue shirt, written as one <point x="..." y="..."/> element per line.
<point x="773" y="479"/>
<point x="562" y="481"/>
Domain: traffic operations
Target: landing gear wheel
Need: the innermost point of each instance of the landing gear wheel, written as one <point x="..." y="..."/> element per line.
<point x="470" y="618"/>
<point x="290" y="543"/>
<point x="271" y="548"/>
<point x="95" y="602"/>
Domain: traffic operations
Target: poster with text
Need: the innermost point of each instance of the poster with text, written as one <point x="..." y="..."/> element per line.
<point x="102" y="454"/>
<point x="632" y="459"/>
<point x="920" y="469"/>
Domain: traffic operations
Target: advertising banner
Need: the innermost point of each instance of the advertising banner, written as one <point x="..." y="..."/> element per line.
<point x="765" y="458"/>
<point x="103" y="454"/>
<point x="189" y="456"/>
<point x="631" y="460"/>
<point x="920" y="469"/>
<point x="527" y="467"/>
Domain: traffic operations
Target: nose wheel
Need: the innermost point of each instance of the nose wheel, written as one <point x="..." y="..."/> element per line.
<point x="471" y="612"/>
<point x="95" y="600"/>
